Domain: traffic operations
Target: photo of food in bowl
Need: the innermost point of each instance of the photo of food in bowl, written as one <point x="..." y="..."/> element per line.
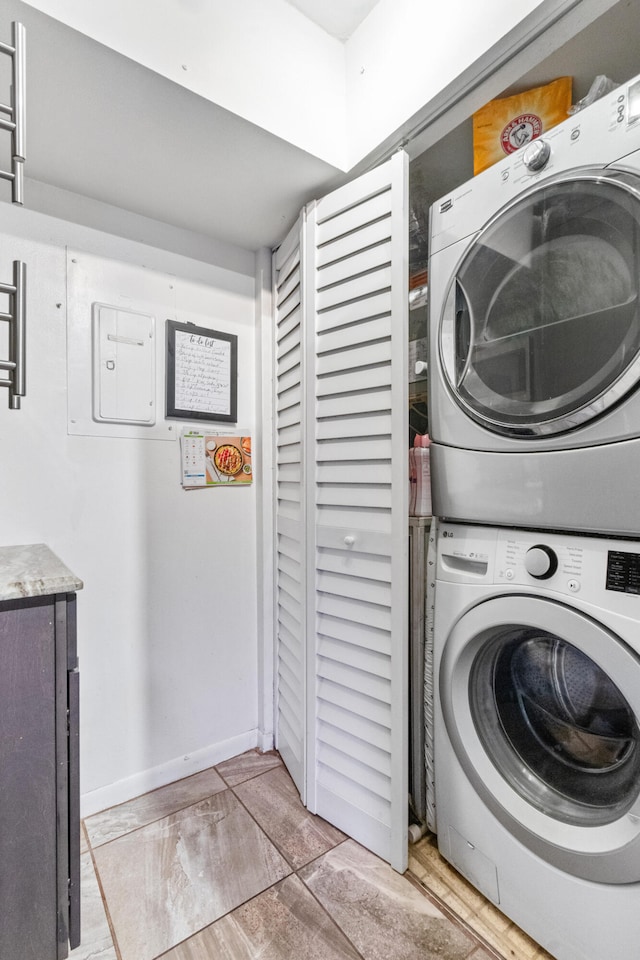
<point x="228" y="459"/>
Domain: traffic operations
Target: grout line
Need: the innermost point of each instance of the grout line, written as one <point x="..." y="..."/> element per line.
<point x="105" y="905"/>
<point x="228" y="913"/>
<point x="194" y="933"/>
<point x="454" y="917"/>
<point x="261" y="828"/>
<point x="141" y="826"/>
<point x="254" y="775"/>
<point x="148" y="793"/>
<point x="273" y="841"/>
<point x="296" y="871"/>
<point x="324" y="909"/>
<point x="478" y="943"/>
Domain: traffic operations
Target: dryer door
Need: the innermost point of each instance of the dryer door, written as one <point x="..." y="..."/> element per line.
<point x="542" y="706"/>
<point x="540" y="330"/>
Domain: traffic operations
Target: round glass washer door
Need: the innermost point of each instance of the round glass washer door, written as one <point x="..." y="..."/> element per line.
<point x="541" y="705"/>
<point x="540" y="330"/>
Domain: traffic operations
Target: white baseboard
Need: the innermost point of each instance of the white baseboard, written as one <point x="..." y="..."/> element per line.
<point x="265" y="741"/>
<point x="122" y="790"/>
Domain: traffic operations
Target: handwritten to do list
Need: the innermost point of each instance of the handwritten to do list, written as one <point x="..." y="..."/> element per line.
<point x="202" y="373"/>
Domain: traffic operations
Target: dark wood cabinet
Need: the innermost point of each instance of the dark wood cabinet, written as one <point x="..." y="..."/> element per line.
<point x="39" y="777"/>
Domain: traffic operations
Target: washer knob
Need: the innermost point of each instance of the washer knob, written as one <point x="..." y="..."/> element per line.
<point x="541" y="562"/>
<point x="536" y="155"/>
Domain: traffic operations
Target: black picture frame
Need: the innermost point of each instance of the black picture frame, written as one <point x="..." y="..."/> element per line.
<point x="202" y="373"/>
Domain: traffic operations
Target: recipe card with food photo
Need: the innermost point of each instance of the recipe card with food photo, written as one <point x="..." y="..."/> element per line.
<point x="210" y="460"/>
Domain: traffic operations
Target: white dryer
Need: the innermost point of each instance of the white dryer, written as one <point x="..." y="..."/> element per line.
<point x="537" y="738"/>
<point x="534" y="286"/>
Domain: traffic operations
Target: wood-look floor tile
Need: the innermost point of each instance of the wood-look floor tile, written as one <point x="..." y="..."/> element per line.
<point x="115" y="822"/>
<point x="283" y="923"/>
<point x="438" y="870"/>
<point x="514" y="944"/>
<point x="381" y="912"/>
<point x="274" y="802"/>
<point x="167" y="880"/>
<point x="483" y="917"/>
<point x="97" y="942"/>
<point x="247" y="765"/>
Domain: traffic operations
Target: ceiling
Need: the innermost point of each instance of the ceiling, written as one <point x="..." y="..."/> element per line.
<point x="337" y="17"/>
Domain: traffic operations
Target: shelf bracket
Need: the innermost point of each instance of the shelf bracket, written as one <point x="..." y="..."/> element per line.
<point x="12" y="115"/>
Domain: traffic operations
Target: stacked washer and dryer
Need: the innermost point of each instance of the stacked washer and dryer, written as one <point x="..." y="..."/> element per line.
<point x="535" y="422"/>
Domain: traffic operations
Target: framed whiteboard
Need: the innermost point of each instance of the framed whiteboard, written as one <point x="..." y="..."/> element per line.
<point x="202" y="373"/>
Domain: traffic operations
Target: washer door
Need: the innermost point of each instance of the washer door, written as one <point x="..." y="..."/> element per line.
<point x="540" y="331"/>
<point x="541" y="705"/>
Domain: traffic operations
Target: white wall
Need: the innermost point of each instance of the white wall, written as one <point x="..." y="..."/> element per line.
<point x="167" y="617"/>
<point x="268" y="63"/>
<point x="408" y="51"/>
<point x="260" y="59"/>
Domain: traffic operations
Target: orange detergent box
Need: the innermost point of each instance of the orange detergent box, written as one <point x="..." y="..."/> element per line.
<point x="503" y="126"/>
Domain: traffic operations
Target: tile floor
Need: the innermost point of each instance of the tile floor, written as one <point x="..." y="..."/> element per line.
<point x="228" y="864"/>
<point x="461" y="900"/>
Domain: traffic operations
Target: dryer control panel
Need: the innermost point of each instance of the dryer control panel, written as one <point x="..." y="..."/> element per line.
<point x="602" y="134"/>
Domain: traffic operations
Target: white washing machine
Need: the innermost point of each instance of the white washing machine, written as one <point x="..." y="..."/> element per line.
<point x="537" y="739"/>
<point x="534" y="289"/>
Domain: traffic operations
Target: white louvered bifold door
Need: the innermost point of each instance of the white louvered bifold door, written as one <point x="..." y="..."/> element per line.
<point x="356" y="486"/>
<point x="289" y="512"/>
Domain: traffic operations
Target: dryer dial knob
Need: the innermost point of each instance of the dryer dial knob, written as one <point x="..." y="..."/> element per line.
<point x="536" y="155"/>
<point x="541" y="562"/>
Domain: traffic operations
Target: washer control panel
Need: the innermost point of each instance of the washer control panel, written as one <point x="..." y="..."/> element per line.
<point x="623" y="571"/>
<point x="525" y="557"/>
<point x="541" y="561"/>
<point x="595" y="568"/>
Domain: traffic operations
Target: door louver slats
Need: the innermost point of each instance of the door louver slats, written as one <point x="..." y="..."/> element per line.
<point x="342" y="337"/>
<point x="341" y="409"/>
<point x="367" y="260"/>
<point x="367" y="308"/>
<point x="334" y="223"/>
<point x="359" y="475"/>
<point x="378" y="280"/>
<point x="290" y="518"/>
<point x="353" y="242"/>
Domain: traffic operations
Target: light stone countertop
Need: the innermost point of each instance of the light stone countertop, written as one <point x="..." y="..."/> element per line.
<point x="33" y="570"/>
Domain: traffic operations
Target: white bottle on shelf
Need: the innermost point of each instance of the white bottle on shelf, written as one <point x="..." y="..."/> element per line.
<point x="423" y="477"/>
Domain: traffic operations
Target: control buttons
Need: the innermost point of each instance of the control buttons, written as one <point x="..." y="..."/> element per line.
<point x="573" y="585"/>
<point x="536" y="155"/>
<point x="620" y="108"/>
<point x="541" y="562"/>
<point x="509" y="574"/>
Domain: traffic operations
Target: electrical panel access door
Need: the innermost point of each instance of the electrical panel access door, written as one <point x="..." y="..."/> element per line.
<point x="124" y="382"/>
